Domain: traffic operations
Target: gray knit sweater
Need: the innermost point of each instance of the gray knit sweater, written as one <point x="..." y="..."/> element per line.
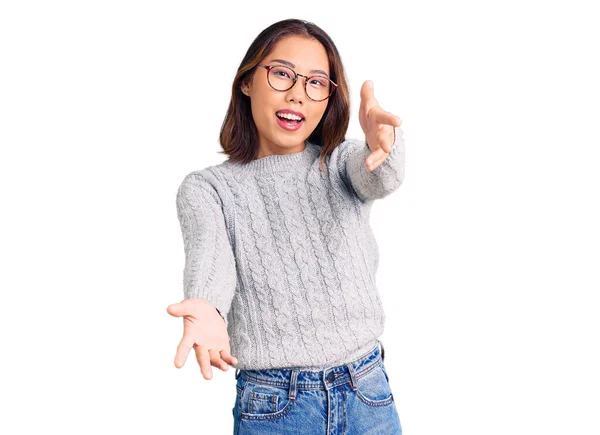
<point x="287" y="254"/>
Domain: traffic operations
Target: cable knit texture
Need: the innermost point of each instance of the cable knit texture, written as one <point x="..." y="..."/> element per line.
<point x="285" y="251"/>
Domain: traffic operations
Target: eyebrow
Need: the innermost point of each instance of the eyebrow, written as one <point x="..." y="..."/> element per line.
<point x="290" y="64"/>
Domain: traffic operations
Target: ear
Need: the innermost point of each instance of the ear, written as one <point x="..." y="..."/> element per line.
<point x="245" y="89"/>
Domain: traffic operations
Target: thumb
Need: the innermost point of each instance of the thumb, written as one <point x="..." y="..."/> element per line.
<point x="177" y="310"/>
<point x="367" y="90"/>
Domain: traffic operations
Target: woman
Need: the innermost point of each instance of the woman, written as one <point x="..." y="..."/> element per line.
<point x="280" y="257"/>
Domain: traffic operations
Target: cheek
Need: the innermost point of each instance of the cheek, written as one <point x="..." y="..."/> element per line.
<point x="266" y="122"/>
<point x="264" y="108"/>
<point x="259" y="112"/>
<point x="316" y="118"/>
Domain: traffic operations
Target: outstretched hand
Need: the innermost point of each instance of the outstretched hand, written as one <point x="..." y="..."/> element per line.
<point x="205" y="331"/>
<point x="378" y="126"/>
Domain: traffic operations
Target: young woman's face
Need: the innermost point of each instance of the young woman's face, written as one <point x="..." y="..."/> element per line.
<point x="306" y="55"/>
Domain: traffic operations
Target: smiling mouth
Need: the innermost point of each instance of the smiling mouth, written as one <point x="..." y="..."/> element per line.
<point x="290" y="121"/>
<point x="288" y="124"/>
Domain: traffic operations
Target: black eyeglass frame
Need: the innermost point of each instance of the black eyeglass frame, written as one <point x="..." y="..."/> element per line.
<point x="296" y="75"/>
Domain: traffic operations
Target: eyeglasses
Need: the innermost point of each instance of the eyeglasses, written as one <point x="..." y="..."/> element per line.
<point x="282" y="78"/>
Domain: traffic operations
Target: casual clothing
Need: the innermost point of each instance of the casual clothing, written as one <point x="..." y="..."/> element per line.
<point x="286" y="253"/>
<point x="349" y="399"/>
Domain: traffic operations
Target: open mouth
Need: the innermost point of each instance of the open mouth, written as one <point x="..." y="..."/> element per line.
<point x="289" y="121"/>
<point x="289" y="124"/>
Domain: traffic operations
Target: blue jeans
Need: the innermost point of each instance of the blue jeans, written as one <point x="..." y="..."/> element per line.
<point x="350" y="399"/>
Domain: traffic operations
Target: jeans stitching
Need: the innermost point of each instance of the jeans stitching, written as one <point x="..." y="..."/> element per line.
<point x="313" y="385"/>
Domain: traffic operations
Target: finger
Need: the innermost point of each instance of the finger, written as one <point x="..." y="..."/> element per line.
<point x="217" y="361"/>
<point x="367" y="91"/>
<point x="228" y="358"/>
<point x="379" y="162"/>
<point x="177" y="310"/>
<point x="386" y="140"/>
<point x="203" y="358"/>
<point x="383" y="117"/>
<point x="182" y="351"/>
<point x="374" y="158"/>
<point x="367" y="99"/>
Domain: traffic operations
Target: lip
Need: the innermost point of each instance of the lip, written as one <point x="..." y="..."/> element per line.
<point x="287" y="126"/>
<point x="293" y="112"/>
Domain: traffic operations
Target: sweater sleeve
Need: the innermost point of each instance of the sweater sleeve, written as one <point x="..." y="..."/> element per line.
<point x="210" y="269"/>
<point x="383" y="180"/>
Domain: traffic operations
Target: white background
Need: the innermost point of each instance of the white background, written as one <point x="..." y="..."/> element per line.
<point x="489" y="251"/>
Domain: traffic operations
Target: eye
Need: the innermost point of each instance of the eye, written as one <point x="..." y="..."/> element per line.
<point x="318" y="82"/>
<point x="281" y="72"/>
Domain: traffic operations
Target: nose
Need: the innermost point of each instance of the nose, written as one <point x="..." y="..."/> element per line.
<point x="297" y="92"/>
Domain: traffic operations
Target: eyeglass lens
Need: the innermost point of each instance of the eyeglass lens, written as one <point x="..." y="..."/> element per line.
<point x="282" y="79"/>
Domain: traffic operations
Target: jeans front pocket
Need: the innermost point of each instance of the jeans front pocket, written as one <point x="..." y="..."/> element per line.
<point x="239" y="387"/>
<point x="261" y="401"/>
<point x="373" y="387"/>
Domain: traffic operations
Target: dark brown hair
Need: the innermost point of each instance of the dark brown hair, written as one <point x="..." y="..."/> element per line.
<point x="239" y="137"/>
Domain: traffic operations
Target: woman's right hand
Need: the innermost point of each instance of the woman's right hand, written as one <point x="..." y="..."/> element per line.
<point x="205" y="331"/>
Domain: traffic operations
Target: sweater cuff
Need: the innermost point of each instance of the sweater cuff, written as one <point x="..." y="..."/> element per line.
<point x="381" y="181"/>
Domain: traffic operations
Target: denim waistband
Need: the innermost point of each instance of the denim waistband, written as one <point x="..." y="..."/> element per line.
<point x="323" y="379"/>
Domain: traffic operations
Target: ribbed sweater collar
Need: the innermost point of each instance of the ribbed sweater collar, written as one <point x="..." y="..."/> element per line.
<point x="279" y="162"/>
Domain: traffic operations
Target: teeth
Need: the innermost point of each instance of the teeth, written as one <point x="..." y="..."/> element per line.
<point x="289" y="116"/>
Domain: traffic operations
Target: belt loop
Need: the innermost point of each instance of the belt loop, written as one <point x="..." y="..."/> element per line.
<point x="237" y="373"/>
<point x="293" y="379"/>
<point x="352" y="377"/>
<point x="382" y="350"/>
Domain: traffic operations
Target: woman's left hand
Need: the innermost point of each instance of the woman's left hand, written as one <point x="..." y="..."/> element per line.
<point x="378" y="126"/>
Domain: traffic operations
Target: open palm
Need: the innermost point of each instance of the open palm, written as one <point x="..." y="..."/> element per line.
<point x="378" y="126"/>
<point x="203" y="330"/>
